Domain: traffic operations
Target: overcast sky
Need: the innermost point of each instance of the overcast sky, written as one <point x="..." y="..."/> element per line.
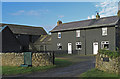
<point x="46" y="14"/>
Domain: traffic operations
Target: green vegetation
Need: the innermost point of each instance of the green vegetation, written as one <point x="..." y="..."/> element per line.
<point x="74" y="58"/>
<point x="112" y="54"/>
<point x="13" y="70"/>
<point x="95" y="73"/>
<point x="62" y="62"/>
<point x="0" y="70"/>
<point x="71" y="55"/>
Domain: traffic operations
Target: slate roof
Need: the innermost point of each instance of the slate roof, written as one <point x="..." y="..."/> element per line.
<point x="43" y="40"/>
<point x="23" y="29"/>
<point x="106" y="21"/>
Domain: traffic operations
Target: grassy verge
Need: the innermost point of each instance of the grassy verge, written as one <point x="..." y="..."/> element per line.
<point x="71" y="55"/>
<point x="62" y="62"/>
<point x="93" y="73"/>
<point x="76" y="58"/>
<point x="13" y="70"/>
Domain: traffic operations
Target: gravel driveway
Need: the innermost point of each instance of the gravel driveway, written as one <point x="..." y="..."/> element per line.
<point x="69" y="71"/>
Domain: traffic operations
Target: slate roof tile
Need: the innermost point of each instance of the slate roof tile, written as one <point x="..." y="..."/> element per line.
<point x="23" y="29"/>
<point x="86" y="23"/>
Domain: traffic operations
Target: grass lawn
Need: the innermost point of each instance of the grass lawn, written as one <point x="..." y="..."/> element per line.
<point x="93" y="73"/>
<point x="10" y="70"/>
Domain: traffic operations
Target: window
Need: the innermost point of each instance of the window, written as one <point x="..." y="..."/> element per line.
<point x="20" y="47"/>
<point x="104" y="31"/>
<point x="16" y="36"/>
<point x="105" y="45"/>
<point x="77" y="33"/>
<point x="59" y="45"/>
<point x="78" y="46"/>
<point x="59" y="34"/>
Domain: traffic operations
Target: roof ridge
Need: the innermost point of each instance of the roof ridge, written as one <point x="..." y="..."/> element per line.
<point x="88" y="20"/>
<point x="86" y="23"/>
<point x="21" y="25"/>
<point x="24" y="29"/>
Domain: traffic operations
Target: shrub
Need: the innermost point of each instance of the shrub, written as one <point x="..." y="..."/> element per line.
<point x="112" y="54"/>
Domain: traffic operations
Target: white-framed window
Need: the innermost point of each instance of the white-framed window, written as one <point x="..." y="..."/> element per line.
<point x="77" y="33"/>
<point x="59" y="46"/>
<point x="78" y="45"/>
<point x="104" y="31"/>
<point x="59" y="34"/>
<point x="105" y="45"/>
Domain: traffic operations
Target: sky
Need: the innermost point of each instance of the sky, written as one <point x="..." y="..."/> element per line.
<point x="46" y="14"/>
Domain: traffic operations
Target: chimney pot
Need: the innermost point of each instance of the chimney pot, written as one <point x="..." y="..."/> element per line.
<point x="59" y="22"/>
<point x="97" y="16"/>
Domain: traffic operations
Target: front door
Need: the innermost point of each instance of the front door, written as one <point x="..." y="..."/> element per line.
<point x="69" y="48"/>
<point x="95" y="47"/>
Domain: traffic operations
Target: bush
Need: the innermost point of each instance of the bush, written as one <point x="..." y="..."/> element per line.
<point x="112" y="54"/>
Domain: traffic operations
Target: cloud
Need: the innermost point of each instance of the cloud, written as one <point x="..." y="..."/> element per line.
<point x="107" y="8"/>
<point x="33" y="12"/>
<point x="30" y="12"/>
<point x="89" y="17"/>
<point x="18" y="12"/>
<point x="61" y="16"/>
<point x="92" y="17"/>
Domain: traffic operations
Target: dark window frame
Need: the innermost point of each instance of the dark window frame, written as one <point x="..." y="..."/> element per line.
<point x="59" y="46"/>
<point x="78" y="43"/>
<point x="105" y="45"/>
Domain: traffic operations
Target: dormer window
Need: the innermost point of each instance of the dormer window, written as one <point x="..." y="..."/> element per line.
<point x="77" y="33"/>
<point x="59" y="34"/>
<point x="104" y="31"/>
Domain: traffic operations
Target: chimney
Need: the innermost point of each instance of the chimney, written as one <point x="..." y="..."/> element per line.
<point x="97" y="16"/>
<point x="119" y="5"/>
<point x="59" y="22"/>
<point x="118" y="13"/>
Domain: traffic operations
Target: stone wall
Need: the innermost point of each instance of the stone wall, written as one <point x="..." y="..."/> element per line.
<point x="12" y="59"/>
<point x="105" y="63"/>
<point x="16" y="59"/>
<point x="42" y="59"/>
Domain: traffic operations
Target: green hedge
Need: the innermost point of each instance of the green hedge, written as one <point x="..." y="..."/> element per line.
<point x="112" y="54"/>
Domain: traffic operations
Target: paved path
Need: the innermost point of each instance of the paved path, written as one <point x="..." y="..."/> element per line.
<point x="70" y="71"/>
